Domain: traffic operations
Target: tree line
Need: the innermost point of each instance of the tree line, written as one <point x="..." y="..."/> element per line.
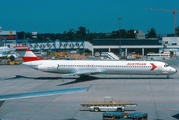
<point x="83" y="34"/>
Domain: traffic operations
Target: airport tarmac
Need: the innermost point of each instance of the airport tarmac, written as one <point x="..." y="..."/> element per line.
<point x="156" y="95"/>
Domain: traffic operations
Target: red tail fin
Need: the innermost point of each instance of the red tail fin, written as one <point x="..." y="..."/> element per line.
<point x="26" y="53"/>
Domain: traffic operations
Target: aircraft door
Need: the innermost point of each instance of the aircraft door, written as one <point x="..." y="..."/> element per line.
<point x="159" y="68"/>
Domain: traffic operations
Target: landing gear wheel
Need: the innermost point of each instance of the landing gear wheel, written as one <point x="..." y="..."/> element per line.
<point x="96" y="109"/>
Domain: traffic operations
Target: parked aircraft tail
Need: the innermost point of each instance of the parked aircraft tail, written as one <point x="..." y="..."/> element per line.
<point x="26" y="53"/>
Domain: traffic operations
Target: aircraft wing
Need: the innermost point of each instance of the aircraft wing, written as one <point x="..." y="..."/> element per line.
<point x="85" y="72"/>
<point x="42" y="93"/>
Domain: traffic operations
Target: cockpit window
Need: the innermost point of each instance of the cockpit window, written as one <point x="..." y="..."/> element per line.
<point x="166" y="65"/>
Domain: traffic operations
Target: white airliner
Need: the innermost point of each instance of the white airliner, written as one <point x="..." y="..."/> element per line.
<point x="88" y="67"/>
<point x="5" y="52"/>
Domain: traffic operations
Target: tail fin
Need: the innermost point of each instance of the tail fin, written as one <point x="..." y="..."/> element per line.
<point x="26" y="53"/>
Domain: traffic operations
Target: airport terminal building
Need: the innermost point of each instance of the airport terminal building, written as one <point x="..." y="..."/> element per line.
<point x="123" y="47"/>
<point x="120" y="47"/>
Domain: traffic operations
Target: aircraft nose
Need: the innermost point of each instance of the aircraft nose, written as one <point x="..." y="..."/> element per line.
<point x="174" y="70"/>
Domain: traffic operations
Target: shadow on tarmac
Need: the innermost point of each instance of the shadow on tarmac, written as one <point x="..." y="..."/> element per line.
<point x="41" y="78"/>
<point x="81" y="79"/>
<point x="85" y="78"/>
<point x="1" y="103"/>
<point x="71" y="119"/>
<point x="91" y="77"/>
<point x="176" y="116"/>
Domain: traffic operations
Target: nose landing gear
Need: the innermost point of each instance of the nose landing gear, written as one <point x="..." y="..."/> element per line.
<point x="167" y="76"/>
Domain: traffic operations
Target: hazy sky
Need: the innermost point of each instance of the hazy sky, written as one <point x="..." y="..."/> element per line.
<point x="56" y="16"/>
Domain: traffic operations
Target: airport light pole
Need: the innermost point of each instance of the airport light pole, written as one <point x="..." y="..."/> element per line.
<point x="119" y="25"/>
<point x="119" y="35"/>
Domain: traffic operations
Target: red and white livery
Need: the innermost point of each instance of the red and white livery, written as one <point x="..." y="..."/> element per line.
<point x="90" y="67"/>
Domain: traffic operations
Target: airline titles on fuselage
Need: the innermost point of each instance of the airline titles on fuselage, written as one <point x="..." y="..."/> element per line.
<point x="137" y="64"/>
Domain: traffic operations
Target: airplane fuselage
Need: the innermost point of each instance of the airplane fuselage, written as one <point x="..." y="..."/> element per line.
<point x="88" y="67"/>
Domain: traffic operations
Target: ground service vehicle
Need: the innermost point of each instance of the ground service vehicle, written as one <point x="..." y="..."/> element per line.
<point x="113" y="115"/>
<point x="14" y="63"/>
<point x="108" y="105"/>
<point x="158" y="56"/>
<point x="125" y="116"/>
<point x="138" y="116"/>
